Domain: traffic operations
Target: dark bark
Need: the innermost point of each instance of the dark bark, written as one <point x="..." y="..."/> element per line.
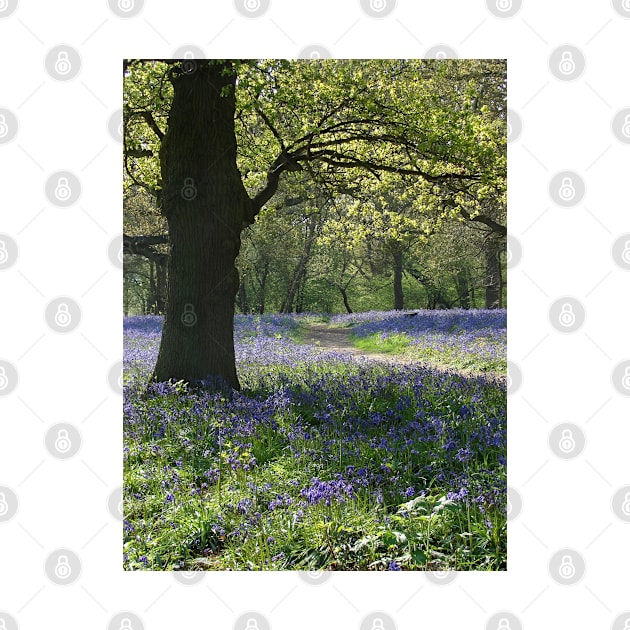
<point x="299" y="305"/>
<point x="398" y="274"/>
<point x="161" y="266"/>
<point x="242" y="297"/>
<point x="263" y="288"/>
<point x="206" y="205"/>
<point x="493" y="281"/>
<point x="344" y="295"/>
<point x="300" y="270"/>
<point x="152" y="288"/>
<point x="463" y="293"/>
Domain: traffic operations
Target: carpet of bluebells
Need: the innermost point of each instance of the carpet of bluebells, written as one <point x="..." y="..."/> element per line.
<point x="320" y="461"/>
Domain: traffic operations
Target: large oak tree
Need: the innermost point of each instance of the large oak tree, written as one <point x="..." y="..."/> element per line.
<point x="213" y="138"/>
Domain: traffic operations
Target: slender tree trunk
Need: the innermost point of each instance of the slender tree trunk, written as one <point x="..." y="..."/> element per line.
<point x="161" y="264"/>
<point x="493" y="272"/>
<point x="461" y="282"/>
<point x="243" y="301"/>
<point x="300" y="270"/>
<point x="299" y="305"/>
<point x="398" y="273"/>
<point x="206" y="205"/>
<point x="344" y="295"/>
<point x="263" y="289"/>
<point x="152" y="287"/>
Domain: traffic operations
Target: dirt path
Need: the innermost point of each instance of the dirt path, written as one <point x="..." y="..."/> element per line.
<point x="330" y="339"/>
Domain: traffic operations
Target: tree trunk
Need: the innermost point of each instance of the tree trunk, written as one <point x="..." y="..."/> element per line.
<point x="398" y="273"/>
<point x="206" y="205"/>
<point x="152" y="288"/>
<point x="161" y="264"/>
<point x="493" y="272"/>
<point x="243" y="301"/>
<point x="344" y="295"/>
<point x="300" y="270"/>
<point x="461" y="282"/>
<point x="299" y="305"/>
<point x="263" y="289"/>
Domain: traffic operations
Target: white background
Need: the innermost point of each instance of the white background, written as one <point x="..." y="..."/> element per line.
<point x="63" y="251"/>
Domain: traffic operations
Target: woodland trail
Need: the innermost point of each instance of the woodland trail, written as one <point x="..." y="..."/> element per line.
<point x="331" y="339"/>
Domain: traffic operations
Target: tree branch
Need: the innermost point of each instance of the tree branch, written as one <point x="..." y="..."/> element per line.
<point x="143" y="245"/>
<point x="482" y="218"/>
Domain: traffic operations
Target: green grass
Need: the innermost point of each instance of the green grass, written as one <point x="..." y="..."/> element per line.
<point x="394" y="344"/>
<point x="425" y="533"/>
<point x="441" y="355"/>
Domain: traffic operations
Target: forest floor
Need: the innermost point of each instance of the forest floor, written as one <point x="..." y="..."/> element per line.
<point x="334" y="339"/>
<point x="332" y="457"/>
